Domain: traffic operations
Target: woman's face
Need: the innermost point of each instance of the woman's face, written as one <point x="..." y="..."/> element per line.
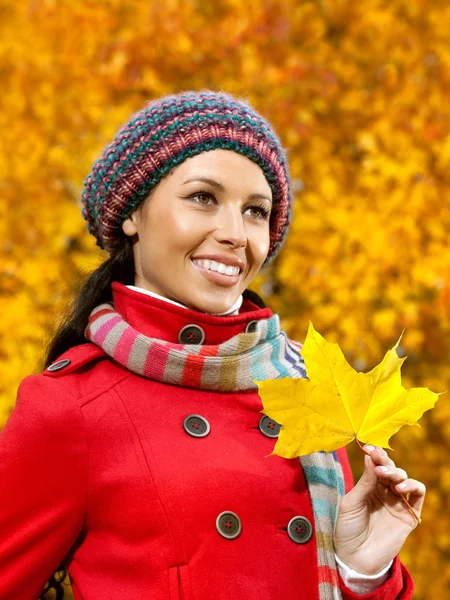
<point x="203" y="233"/>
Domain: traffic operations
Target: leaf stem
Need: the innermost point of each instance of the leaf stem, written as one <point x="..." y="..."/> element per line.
<point x="410" y="508"/>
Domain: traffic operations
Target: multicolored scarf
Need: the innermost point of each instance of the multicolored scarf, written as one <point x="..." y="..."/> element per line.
<point x="265" y="353"/>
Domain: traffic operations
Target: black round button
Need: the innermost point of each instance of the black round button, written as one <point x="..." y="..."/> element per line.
<point x="58" y="365"/>
<point x="191" y="334"/>
<point x="251" y="327"/>
<point x="269" y="427"/>
<point x="229" y="525"/>
<point x="300" y="530"/>
<point x="196" y="425"/>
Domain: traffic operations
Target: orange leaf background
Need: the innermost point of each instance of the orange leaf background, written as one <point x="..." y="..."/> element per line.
<point x="359" y="93"/>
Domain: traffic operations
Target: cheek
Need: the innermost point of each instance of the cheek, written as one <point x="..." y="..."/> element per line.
<point x="259" y="244"/>
<point x="186" y="233"/>
<point x="172" y="237"/>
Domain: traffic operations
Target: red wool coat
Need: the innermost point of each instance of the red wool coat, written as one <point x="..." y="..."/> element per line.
<point x="96" y="466"/>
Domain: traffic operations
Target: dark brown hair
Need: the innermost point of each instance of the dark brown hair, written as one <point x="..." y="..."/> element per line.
<point x="93" y="291"/>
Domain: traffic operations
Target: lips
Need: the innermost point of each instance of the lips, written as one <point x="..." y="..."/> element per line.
<point x="214" y="276"/>
<point x="226" y="259"/>
<point x="218" y="267"/>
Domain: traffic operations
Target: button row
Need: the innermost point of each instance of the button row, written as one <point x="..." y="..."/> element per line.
<point x="198" y="426"/>
<point x="191" y="334"/>
<point x="194" y="334"/>
<point x="229" y="525"/>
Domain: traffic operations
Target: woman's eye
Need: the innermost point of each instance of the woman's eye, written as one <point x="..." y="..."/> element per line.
<point x="202" y="198"/>
<point x="258" y="212"/>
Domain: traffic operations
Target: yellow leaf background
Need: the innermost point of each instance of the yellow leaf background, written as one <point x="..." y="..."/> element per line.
<point x="358" y="92"/>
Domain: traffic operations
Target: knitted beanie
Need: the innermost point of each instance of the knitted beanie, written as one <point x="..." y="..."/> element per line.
<point x="164" y="134"/>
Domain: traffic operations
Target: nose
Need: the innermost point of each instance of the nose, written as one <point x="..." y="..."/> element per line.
<point x="230" y="229"/>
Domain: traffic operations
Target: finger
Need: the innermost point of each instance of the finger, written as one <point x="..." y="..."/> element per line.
<point x="412" y="487"/>
<point x="414" y="491"/>
<point x="387" y="474"/>
<point x="379" y="455"/>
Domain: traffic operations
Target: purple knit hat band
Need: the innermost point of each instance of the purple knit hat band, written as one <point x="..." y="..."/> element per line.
<point x="163" y="135"/>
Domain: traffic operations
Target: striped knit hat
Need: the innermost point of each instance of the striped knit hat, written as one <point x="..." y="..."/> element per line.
<point x="164" y="134"/>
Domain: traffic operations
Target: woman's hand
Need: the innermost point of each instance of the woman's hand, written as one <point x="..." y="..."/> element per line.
<point x="373" y="521"/>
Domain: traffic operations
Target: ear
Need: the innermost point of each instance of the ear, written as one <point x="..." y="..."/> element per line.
<point x="129" y="226"/>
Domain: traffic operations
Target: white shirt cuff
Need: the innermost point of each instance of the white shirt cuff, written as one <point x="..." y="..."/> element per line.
<point x="359" y="583"/>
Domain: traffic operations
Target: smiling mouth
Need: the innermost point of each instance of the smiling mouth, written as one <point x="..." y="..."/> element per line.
<point x="217" y="267"/>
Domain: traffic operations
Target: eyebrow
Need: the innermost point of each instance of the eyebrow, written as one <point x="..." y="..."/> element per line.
<point x="219" y="186"/>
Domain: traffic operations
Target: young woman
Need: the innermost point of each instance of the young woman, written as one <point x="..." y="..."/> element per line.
<point x="139" y="458"/>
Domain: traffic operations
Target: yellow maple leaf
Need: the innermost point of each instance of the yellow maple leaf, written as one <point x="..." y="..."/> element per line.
<point x="336" y="404"/>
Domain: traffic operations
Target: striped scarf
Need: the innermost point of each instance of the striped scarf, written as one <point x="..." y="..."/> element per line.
<point x="265" y="353"/>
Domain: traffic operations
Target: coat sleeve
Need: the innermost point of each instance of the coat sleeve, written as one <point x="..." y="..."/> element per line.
<point x="43" y="491"/>
<point x="399" y="585"/>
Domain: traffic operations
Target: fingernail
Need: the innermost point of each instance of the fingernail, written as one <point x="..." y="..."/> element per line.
<point x="385" y="469"/>
<point x="402" y="485"/>
<point x="369" y="448"/>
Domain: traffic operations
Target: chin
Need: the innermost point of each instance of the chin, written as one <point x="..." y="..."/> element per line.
<point x="212" y="307"/>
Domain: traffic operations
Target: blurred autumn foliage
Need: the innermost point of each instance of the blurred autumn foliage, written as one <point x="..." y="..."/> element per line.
<point x="359" y="92"/>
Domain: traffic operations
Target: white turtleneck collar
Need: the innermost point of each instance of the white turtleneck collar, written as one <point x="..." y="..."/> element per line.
<point x="234" y="310"/>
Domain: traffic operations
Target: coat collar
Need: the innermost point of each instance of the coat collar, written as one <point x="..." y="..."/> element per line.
<point x="159" y="319"/>
<point x="234" y="310"/>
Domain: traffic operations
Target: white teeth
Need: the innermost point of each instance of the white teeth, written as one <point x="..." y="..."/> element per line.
<point x="212" y="265"/>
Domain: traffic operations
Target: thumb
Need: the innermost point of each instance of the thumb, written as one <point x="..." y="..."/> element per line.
<point x="368" y="480"/>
